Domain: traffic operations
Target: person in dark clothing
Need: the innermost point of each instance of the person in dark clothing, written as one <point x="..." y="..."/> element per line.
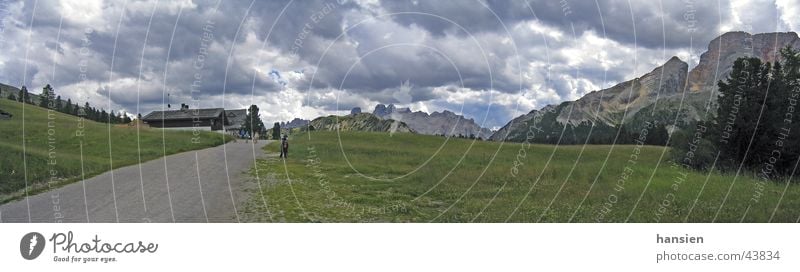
<point x="284" y="147"/>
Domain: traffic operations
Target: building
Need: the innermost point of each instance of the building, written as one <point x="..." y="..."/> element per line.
<point x="235" y="120"/>
<point x="204" y="119"/>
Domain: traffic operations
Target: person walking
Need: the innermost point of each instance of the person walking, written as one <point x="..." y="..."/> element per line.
<point x="284" y="147"/>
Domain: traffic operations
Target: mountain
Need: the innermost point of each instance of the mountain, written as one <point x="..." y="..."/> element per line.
<point x="437" y="123"/>
<point x="657" y="97"/>
<point x="5" y="90"/>
<point x="295" y="123"/>
<point x="715" y="64"/>
<point x="359" y="122"/>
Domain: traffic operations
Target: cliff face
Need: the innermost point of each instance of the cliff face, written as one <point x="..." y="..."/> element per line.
<point x="715" y="64"/>
<point x="437" y="123"/>
<point x="517" y="128"/>
<point x="295" y="123"/>
<point x="609" y="106"/>
<point x="655" y="97"/>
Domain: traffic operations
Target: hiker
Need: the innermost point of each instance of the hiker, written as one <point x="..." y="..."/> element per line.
<point x="284" y="147"/>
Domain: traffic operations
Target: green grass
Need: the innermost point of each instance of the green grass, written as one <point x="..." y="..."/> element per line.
<point x="322" y="187"/>
<point x="52" y="152"/>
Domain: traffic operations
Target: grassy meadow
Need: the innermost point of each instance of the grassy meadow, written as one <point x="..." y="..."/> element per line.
<point x="61" y="148"/>
<point x="372" y="177"/>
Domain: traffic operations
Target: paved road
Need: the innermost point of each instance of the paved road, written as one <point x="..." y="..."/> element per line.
<point x="194" y="186"/>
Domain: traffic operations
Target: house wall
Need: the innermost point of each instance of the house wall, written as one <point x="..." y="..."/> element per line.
<point x="205" y="124"/>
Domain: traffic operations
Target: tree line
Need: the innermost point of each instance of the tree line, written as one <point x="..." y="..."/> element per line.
<point x="755" y="126"/>
<point x="48" y="99"/>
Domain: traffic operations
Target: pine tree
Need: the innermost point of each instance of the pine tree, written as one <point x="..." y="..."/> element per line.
<point x="47" y="95"/>
<point x="68" y="107"/>
<point x="276" y="131"/>
<point x="59" y="104"/>
<point x="252" y="122"/>
<point x="25" y="96"/>
<point x="739" y="103"/>
<point x="658" y="135"/>
<point x="788" y="93"/>
<point x="87" y="111"/>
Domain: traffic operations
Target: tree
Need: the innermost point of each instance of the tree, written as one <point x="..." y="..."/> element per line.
<point x="47" y="95"/>
<point x="690" y="150"/>
<point x="59" y="104"/>
<point x="12" y="97"/>
<point x="791" y="86"/>
<point x="276" y="131"/>
<point x="740" y="100"/>
<point x="658" y="136"/>
<point x="252" y="122"/>
<point x="68" y="107"/>
<point x="24" y="96"/>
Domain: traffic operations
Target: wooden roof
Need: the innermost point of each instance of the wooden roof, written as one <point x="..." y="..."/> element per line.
<point x="186" y="114"/>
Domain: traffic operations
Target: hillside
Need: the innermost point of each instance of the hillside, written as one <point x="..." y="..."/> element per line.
<point x="53" y="149"/>
<point x="358" y="122"/>
<point x="371" y="177"/>
<point x="5" y="90"/>
<point x="661" y="96"/>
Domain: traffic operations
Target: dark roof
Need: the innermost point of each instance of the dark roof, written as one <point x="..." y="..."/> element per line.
<point x="235" y="118"/>
<point x="183" y="114"/>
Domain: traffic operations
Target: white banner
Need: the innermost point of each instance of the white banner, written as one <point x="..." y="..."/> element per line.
<point x="400" y="247"/>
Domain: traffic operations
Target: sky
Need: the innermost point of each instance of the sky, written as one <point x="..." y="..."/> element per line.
<point x="488" y="60"/>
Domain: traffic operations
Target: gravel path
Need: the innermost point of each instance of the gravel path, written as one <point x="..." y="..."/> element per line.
<point x="194" y="186"/>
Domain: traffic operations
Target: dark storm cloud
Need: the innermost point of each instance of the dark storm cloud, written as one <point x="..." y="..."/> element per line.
<point x="653" y="24"/>
<point x="445" y="17"/>
<point x="476" y="45"/>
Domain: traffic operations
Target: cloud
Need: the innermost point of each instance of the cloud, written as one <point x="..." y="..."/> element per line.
<point x="492" y="59"/>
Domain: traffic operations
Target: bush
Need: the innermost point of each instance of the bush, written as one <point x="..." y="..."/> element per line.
<point x="692" y="150"/>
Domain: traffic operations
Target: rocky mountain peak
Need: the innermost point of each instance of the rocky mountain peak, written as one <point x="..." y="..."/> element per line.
<point x="436" y="123"/>
<point x="629" y="97"/>
<point x="715" y="64"/>
<point x="658" y="96"/>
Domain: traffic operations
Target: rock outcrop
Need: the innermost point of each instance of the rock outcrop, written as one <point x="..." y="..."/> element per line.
<point x="438" y="123"/>
<point x="715" y="64"/>
<point x="295" y="123"/>
<point x="619" y="103"/>
<point x="359" y="122"/>
<point x="668" y="95"/>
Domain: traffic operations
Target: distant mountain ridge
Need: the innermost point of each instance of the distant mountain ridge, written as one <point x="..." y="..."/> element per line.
<point x="295" y="123"/>
<point x="358" y="122"/>
<point x="668" y="95"/>
<point x="437" y="123"/>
